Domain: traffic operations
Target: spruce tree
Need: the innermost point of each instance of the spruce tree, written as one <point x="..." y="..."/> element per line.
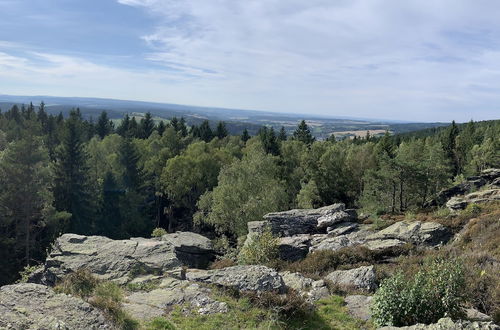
<point x="245" y="136"/>
<point x="104" y="125"/>
<point x="303" y="134"/>
<point x="282" y="135"/>
<point x="205" y="132"/>
<point x="221" y="130"/>
<point x="72" y="189"/>
<point x="146" y="126"/>
<point x="161" y="128"/>
<point x="124" y="127"/>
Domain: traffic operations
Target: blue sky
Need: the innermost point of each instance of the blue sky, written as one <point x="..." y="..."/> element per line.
<point x="408" y="60"/>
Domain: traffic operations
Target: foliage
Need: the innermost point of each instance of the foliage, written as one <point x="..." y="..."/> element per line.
<point x="79" y="283"/>
<point x="434" y="292"/>
<point x="263" y="248"/>
<point x="26" y="273"/>
<point x="158" y="232"/>
<point x="471" y="210"/>
<point x="159" y="323"/>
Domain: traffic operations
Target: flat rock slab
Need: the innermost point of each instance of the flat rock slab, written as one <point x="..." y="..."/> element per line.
<point x="148" y="305"/>
<point x="362" y="278"/>
<point x="415" y="232"/>
<point x="107" y="259"/>
<point x="358" y="306"/>
<point x="242" y="278"/>
<point x="34" y="306"/>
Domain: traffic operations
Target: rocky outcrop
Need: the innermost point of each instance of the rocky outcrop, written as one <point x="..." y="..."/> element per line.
<point x="478" y="197"/>
<point x="172" y="292"/>
<point x="449" y="324"/>
<point x="242" y="278"/>
<point x="351" y="237"/>
<point x="304" y="221"/>
<point x="310" y="289"/>
<point x="122" y="260"/>
<point x="358" y="306"/>
<point x="362" y="278"/>
<point x="488" y="177"/>
<point x="416" y="232"/>
<point x="193" y="250"/>
<point x="34" y="306"/>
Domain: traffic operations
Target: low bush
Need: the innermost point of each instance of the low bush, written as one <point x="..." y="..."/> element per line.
<point x="158" y="232"/>
<point x="262" y="249"/>
<point x="435" y="291"/>
<point x="80" y="283"/>
<point x="159" y="323"/>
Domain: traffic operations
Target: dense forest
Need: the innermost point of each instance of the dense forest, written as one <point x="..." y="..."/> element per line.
<point x="68" y="174"/>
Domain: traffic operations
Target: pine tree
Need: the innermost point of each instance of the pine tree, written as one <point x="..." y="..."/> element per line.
<point x="129" y="159"/>
<point x="161" y="128"/>
<point x="303" y="134"/>
<point x="269" y="141"/>
<point x="104" y="125"/>
<point x="146" y="126"/>
<point x="124" y="127"/>
<point x="282" y="135"/>
<point x="183" y="127"/>
<point x="221" y="130"/>
<point x="205" y="132"/>
<point x="71" y="190"/>
<point x="245" y="136"/>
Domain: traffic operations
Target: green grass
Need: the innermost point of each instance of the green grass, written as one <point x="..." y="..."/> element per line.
<point x="330" y="314"/>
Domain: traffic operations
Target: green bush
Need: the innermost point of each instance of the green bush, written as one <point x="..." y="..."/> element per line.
<point x="434" y="292"/>
<point x="159" y="323"/>
<point x="26" y="273"/>
<point x="471" y="210"/>
<point x="158" y="232"/>
<point x="262" y="249"/>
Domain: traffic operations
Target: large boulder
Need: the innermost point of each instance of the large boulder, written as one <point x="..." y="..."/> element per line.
<point x="478" y="197"/>
<point x="448" y="324"/>
<point x="362" y="278"/>
<point x="148" y="305"/>
<point x="416" y="232"/>
<point x="310" y="289"/>
<point x="34" y="306"/>
<point x="299" y="221"/>
<point x="242" y="278"/>
<point x="122" y="260"/>
<point x="192" y="249"/>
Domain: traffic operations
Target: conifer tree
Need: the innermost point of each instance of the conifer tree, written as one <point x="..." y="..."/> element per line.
<point x="71" y="190"/>
<point x="205" y="132"/>
<point x="303" y="134"/>
<point x="147" y="126"/>
<point x="104" y="125"/>
<point x="245" y="136"/>
<point x="282" y="135"/>
<point x="221" y="130"/>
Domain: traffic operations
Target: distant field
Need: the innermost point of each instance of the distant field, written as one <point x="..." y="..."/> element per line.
<point x="360" y="133"/>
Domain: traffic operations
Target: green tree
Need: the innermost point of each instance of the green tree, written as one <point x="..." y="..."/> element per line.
<point x="72" y="187"/>
<point x="245" y="136"/>
<point x="221" y="130"/>
<point x="247" y="190"/>
<point x="303" y="134"/>
<point x="146" y="126"/>
<point x="282" y="135"/>
<point x="104" y="125"/>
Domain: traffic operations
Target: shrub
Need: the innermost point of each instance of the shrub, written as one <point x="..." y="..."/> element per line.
<point x="108" y="297"/>
<point x="434" y="292"/>
<point x="80" y="283"/>
<point x="26" y="273"/>
<point x="158" y="232"/>
<point x="262" y="249"/>
<point x="471" y="210"/>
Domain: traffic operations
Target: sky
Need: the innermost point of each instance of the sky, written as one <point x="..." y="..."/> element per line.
<point x="405" y="60"/>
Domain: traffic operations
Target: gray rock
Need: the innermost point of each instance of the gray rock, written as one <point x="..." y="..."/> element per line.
<point x="294" y="248"/>
<point x="148" y="305"/>
<point x="331" y="243"/>
<point x="456" y="203"/>
<point x="243" y="278"/>
<point x="192" y="249"/>
<point x="362" y="278"/>
<point x="416" y="232"/>
<point x="358" y="306"/>
<point x="449" y="324"/>
<point x="310" y="289"/>
<point x="475" y="315"/>
<point x="330" y="219"/>
<point x="300" y="221"/>
<point x="341" y="228"/>
<point x="107" y="259"/>
<point x="484" y="196"/>
<point x="34" y="306"/>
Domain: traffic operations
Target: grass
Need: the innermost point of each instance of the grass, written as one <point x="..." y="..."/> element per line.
<point x="243" y="314"/>
<point x="106" y="296"/>
<point x="144" y="286"/>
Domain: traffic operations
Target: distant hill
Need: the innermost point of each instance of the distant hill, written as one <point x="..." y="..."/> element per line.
<point x="236" y="120"/>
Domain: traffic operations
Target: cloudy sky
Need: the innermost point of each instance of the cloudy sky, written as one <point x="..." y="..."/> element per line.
<point x="393" y="59"/>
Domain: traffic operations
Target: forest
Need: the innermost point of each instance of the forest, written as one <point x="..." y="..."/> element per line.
<point x="67" y="174"/>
